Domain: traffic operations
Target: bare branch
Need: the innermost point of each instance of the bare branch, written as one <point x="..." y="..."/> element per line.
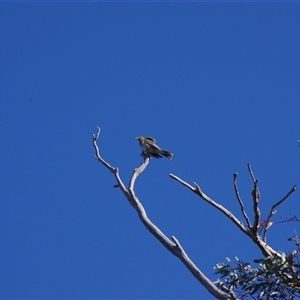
<point x="137" y="172"/>
<point x="273" y="211"/>
<point x="226" y="212"/>
<point x="176" y="242"/>
<point x="106" y="164"/>
<point x="251" y="173"/>
<point x="265" y="249"/>
<point x="293" y="218"/>
<point x="293" y="189"/>
<point x="235" y="175"/>
<point x="200" y="276"/>
<point x="255" y="198"/>
<point x="183" y="182"/>
<point x="172" y="245"/>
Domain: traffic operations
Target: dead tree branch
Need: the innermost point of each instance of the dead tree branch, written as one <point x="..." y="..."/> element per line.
<point x="251" y="173"/>
<point x="255" y="198"/>
<point x="265" y="249"/>
<point x="197" y="190"/>
<point x="172" y="244"/>
<point x="235" y="175"/>
<point x="273" y="211"/>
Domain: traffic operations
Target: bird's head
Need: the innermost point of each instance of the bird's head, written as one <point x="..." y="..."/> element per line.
<point x="140" y="138"/>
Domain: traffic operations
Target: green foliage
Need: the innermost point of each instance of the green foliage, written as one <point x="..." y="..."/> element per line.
<point x="274" y="278"/>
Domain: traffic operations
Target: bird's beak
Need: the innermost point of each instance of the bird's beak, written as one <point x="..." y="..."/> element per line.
<point x="137" y="137"/>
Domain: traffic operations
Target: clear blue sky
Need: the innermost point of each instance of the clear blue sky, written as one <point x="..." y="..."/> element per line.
<point x="216" y="83"/>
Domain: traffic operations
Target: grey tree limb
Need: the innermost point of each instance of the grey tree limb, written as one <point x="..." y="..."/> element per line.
<point x="265" y="249"/>
<point x="172" y="244"/>
<point x="237" y="194"/>
<point x="255" y="198"/>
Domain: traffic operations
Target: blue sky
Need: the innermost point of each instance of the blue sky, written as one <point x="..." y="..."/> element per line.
<point x="215" y="83"/>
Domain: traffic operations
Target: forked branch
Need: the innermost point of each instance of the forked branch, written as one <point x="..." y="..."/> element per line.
<point x="265" y="249"/>
<point x="255" y="198"/>
<point x="172" y="244"/>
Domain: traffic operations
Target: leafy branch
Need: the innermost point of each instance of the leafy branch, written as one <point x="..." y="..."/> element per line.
<point x="278" y="274"/>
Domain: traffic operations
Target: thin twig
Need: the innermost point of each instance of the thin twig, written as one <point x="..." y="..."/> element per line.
<point x="235" y="175"/>
<point x="293" y="218"/>
<point x="106" y="164"/>
<point x="250" y="172"/>
<point x="272" y="211"/>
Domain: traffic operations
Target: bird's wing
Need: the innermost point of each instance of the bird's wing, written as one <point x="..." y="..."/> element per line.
<point x="151" y="139"/>
<point x="151" y="144"/>
<point x="157" y="155"/>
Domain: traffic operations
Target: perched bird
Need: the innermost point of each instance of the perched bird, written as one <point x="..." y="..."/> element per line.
<point x="149" y="147"/>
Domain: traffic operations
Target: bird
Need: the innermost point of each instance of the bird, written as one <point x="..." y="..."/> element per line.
<point x="149" y="147"/>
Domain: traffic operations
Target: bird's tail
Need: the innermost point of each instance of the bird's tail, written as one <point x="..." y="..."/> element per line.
<point x="167" y="154"/>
